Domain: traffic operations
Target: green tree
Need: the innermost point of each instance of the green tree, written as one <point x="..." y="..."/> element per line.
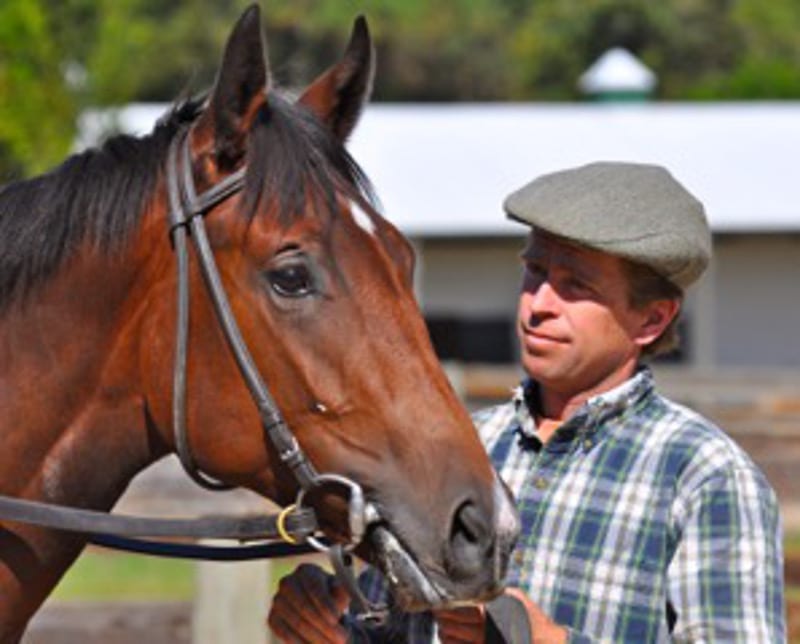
<point x="426" y="51"/>
<point x="37" y="110"/>
<point x="57" y="58"/>
<point x="769" y="66"/>
<point x="713" y="49"/>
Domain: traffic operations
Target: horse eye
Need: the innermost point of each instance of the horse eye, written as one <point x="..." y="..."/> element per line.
<point x="292" y="280"/>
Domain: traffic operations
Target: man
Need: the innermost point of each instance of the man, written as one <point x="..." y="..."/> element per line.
<point x="641" y="520"/>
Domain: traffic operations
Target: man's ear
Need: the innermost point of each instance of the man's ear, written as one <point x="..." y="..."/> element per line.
<point x="657" y="316"/>
<point x="338" y="96"/>
<point x="239" y="91"/>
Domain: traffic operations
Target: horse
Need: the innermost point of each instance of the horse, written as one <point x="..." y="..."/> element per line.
<point x="320" y="286"/>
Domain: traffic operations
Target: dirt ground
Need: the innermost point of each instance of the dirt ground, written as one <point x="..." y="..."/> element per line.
<point x="111" y="623"/>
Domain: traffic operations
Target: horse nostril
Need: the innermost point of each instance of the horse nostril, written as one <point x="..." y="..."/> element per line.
<point x="471" y="542"/>
<point x="467" y="523"/>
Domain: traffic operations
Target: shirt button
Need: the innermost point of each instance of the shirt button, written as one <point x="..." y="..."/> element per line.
<point x="588" y="444"/>
<point x="518" y="558"/>
<point x="540" y="483"/>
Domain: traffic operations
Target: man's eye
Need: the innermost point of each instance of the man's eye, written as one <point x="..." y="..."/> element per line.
<point x="578" y="286"/>
<point x="293" y="280"/>
<point x="536" y="272"/>
<point x="532" y="268"/>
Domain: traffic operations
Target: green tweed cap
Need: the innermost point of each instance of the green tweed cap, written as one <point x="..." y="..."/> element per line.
<point x="632" y="210"/>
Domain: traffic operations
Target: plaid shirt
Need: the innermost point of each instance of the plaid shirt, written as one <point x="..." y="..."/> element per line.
<point x="641" y="522"/>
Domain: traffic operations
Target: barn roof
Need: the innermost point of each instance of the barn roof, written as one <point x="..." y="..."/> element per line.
<point x="443" y="169"/>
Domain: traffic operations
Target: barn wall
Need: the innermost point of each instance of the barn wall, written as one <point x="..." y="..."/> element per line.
<point x="468" y="289"/>
<point x="470" y="276"/>
<point x="757" y="300"/>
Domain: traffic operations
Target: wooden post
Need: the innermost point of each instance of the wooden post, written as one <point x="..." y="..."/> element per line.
<point x="231" y="603"/>
<point x="231" y="600"/>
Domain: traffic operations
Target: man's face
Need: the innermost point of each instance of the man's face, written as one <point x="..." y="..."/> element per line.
<point x="575" y="325"/>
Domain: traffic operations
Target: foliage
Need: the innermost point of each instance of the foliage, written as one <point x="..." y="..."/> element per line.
<point x="713" y="49"/>
<point x="37" y="108"/>
<point x="57" y="58"/>
<point x="426" y="51"/>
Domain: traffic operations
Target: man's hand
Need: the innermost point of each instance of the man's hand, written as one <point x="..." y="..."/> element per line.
<point x="543" y="629"/>
<point x="308" y="606"/>
<point x="468" y="624"/>
<point x="461" y="625"/>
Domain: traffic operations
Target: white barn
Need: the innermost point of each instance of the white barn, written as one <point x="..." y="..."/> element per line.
<point x="441" y="172"/>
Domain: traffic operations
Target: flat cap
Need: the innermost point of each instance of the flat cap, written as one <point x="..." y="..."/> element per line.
<point x="632" y="210"/>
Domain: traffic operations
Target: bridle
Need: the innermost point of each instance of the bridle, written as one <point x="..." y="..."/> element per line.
<point x="187" y="210"/>
<point x="186" y="213"/>
<point x="294" y="529"/>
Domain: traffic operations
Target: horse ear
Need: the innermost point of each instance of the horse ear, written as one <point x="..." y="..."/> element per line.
<point x="240" y="88"/>
<point x="338" y="95"/>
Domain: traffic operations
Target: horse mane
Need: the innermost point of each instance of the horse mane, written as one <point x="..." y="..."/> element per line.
<point x="293" y="158"/>
<point x="98" y="195"/>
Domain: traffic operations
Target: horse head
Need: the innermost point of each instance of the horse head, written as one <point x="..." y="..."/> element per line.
<point x="320" y="287"/>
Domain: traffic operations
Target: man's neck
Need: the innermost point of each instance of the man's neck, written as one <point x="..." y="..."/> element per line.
<point x="546" y="427"/>
<point x="558" y="405"/>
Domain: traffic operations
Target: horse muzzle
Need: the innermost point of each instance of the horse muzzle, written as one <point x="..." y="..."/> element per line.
<point x="470" y="566"/>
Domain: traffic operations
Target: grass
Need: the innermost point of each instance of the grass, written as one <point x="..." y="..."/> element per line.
<point x="791" y="544"/>
<point x="101" y="575"/>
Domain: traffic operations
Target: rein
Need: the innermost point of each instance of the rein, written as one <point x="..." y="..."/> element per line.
<point x="293" y="530"/>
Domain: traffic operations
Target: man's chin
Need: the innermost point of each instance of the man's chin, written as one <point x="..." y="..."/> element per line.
<point x="543" y="371"/>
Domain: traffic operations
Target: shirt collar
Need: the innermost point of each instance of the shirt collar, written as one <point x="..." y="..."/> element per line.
<point x="589" y="418"/>
<point x="525" y="400"/>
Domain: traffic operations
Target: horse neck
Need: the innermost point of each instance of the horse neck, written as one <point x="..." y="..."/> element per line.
<point x="73" y="420"/>
<point x="69" y="397"/>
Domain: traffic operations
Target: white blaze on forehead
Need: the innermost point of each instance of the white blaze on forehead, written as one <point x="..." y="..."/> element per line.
<point x="362" y="218"/>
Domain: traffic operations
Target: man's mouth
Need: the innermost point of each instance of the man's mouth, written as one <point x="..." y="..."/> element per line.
<point x="539" y="337"/>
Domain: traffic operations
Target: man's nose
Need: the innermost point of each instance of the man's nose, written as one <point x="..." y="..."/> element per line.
<point x="543" y="299"/>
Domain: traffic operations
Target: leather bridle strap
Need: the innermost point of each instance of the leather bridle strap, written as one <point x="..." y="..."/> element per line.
<point x="178" y="233"/>
<point x="186" y="210"/>
<point x="300" y="523"/>
<point x="202" y="551"/>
